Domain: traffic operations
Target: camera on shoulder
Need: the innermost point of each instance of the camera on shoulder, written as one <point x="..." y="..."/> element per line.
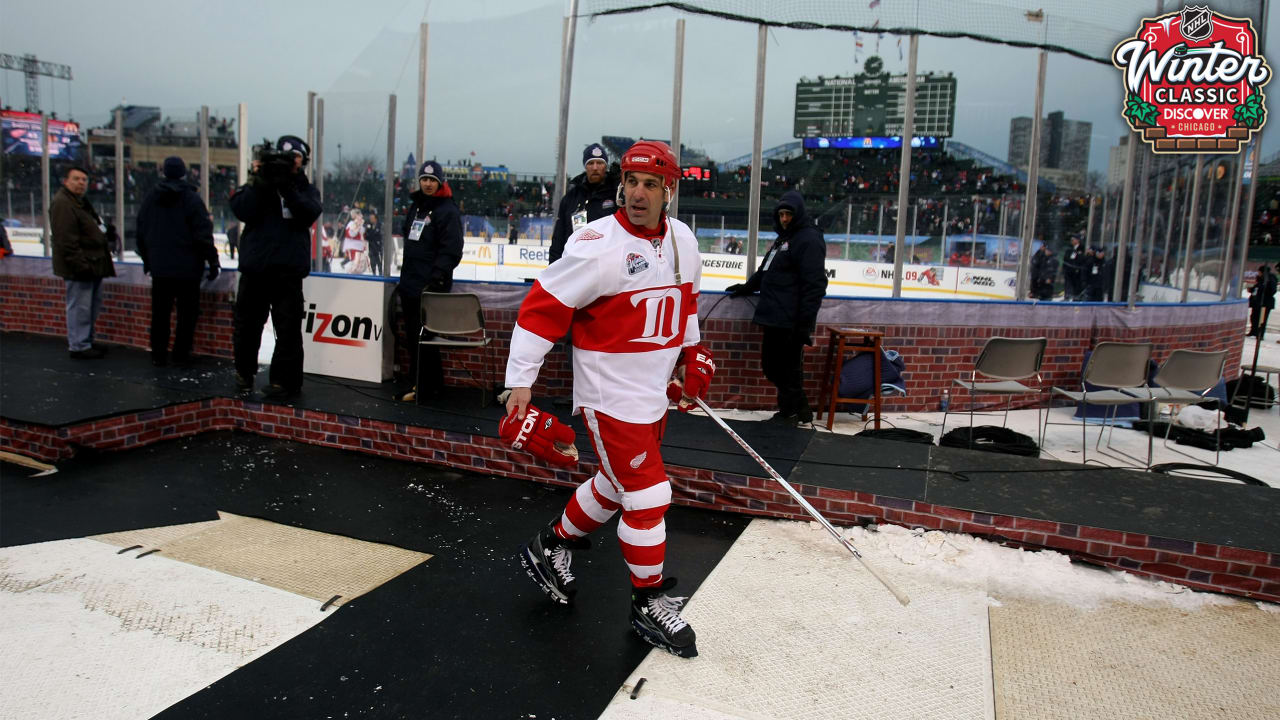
<point x="273" y="164"/>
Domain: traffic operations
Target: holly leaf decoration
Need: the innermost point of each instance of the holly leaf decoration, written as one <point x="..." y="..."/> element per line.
<point x="1139" y="112"/>
<point x="1251" y="112"/>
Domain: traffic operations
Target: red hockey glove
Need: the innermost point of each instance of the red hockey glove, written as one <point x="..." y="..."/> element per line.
<point x="540" y="434"/>
<point x="699" y="368"/>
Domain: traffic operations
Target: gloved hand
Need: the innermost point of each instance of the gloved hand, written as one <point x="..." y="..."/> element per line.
<point x="738" y="290"/>
<point x="213" y="272"/>
<point x="540" y="434"/>
<point x="694" y="371"/>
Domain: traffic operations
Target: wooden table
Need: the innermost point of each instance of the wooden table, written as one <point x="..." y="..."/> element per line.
<point x="843" y="341"/>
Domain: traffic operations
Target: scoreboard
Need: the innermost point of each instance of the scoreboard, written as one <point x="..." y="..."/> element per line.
<point x="872" y="103"/>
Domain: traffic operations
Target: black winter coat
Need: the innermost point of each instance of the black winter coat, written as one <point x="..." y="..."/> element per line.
<point x="175" y="234"/>
<point x="597" y="200"/>
<point x="269" y="241"/>
<point x="792" y="278"/>
<point x="429" y="261"/>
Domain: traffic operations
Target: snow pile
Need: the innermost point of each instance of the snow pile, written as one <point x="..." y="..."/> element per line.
<point x="1045" y="575"/>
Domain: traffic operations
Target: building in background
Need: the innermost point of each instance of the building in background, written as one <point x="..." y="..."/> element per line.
<point x="1064" y="148"/>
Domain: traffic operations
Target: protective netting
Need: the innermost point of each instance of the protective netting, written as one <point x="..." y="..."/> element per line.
<point x="1089" y="30"/>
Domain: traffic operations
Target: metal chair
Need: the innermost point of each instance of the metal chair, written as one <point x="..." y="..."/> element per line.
<point x="455" y="320"/>
<point x="1007" y="360"/>
<point x="1121" y="370"/>
<point x="1187" y="377"/>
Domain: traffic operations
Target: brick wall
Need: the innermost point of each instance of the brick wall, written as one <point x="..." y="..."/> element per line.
<point x="938" y="339"/>
<point x="1232" y="570"/>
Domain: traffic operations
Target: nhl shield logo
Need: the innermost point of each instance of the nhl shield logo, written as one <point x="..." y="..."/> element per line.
<point x="636" y="263"/>
<point x="1196" y="23"/>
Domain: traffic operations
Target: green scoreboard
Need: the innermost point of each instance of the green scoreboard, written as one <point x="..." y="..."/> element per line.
<point x="872" y="103"/>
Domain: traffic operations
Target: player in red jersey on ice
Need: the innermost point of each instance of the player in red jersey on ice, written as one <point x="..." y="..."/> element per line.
<point x="627" y="286"/>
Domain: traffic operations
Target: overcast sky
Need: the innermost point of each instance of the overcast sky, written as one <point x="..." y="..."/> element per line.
<point x="494" y="73"/>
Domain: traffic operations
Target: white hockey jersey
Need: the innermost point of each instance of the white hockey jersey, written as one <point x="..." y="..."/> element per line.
<point x="618" y="293"/>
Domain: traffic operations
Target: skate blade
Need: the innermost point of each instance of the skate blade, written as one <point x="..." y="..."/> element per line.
<point x="685" y="652"/>
<point x="542" y="584"/>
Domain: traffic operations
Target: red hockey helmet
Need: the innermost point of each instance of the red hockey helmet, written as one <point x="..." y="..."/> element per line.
<point x="652" y="156"/>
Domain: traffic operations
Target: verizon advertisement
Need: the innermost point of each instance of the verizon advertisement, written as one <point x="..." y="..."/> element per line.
<point x="344" y="331"/>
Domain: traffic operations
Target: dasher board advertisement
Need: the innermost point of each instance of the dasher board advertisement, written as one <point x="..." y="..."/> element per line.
<point x="344" y="330"/>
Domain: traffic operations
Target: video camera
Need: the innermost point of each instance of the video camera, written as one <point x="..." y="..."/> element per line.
<point x="273" y="164"/>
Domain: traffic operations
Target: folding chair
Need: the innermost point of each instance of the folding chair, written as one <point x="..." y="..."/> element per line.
<point x="455" y="319"/>
<point x="1007" y="360"/>
<point x="1121" y="370"/>
<point x="1187" y="377"/>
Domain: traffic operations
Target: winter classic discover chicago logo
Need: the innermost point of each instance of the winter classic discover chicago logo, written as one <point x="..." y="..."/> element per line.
<point x="1193" y="81"/>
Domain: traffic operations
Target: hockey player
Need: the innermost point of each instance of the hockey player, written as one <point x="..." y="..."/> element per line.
<point x="627" y="286"/>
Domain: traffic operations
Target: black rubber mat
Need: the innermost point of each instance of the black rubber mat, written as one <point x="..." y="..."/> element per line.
<point x="881" y="467"/>
<point x="1189" y="509"/>
<point x="465" y="635"/>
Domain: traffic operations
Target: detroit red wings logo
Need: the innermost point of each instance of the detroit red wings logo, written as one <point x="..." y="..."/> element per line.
<point x="589" y="234"/>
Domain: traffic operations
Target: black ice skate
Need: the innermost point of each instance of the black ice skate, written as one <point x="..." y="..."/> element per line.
<point x="656" y="619"/>
<point x="546" y="559"/>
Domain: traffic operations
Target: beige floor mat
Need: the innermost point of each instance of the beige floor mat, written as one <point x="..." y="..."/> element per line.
<point x="309" y="563"/>
<point x="1055" y="661"/>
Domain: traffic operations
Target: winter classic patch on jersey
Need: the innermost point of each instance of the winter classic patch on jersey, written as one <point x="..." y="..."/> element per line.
<point x="589" y="234"/>
<point x="636" y="263"/>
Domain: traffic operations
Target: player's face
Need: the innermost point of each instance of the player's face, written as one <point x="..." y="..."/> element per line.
<point x="595" y="171"/>
<point x="784" y="218"/>
<point x="429" y="185"/>
<point x="643" y="193"/>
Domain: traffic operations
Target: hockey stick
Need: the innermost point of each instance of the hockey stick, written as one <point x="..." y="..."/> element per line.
<point x="901" y="596"/>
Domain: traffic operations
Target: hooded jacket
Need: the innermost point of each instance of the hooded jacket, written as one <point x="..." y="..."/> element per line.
<point x="429" y="261"/>
<point x="269" y="241"/>
<point x="792" y="278"/>
<point x="80" y="247"/>
<point x="597" y="201"/>
<point x="175" y="234"/>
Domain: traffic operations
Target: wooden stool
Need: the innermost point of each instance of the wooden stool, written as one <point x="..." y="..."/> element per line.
<point x="849" y="340"/>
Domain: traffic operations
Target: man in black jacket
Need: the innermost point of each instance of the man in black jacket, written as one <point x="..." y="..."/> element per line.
<point x="792" y="281"/>
<point x="373" y="236"/>
<point x="175" y="242"/>
<point x="1073" y="264"/>
<point x="590" y="196"/>
<point x="432" y="249"/>
<point x="277" y="206"/>
<point x="1262" y="294"/>
<point x="1044" y="267"/>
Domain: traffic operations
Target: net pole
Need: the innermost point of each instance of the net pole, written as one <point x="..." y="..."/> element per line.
<point x="1232" y="223"/>
<point x="46" y="236"/>
<point x="1248" y="212"/>
<point x="677" y="99"/>
<point x="420" y="140"/>
<point x="311" y="132"/>
<point x="119" y="179"/>
<point x="204" y="155"/>
<point x="242" y="144"/>
<point x="317" y="253"/>
<point x="753" y="206"/>
<point x="904" y="166"/>
<point x="1033" y="178"/>
<point x="1191" y="226"/>
<point x="1124" y="218"/>
<point x="388" y="191"/>
<point x="566" y="84"/>
<point x="1139" y="229"/>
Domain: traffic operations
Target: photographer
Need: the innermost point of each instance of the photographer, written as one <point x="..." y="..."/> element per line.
<point x="277" y="206"/>
<point x="432" y="234"/>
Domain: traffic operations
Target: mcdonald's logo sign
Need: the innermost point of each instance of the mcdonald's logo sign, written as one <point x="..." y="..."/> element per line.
<point x="484" y="252"/>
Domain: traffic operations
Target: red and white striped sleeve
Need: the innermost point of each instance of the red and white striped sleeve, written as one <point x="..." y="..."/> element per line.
<point x="569" y="283"/>
<point x="692" y="333"/>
